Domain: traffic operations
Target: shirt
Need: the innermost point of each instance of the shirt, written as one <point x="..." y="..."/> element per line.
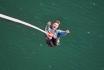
<point x="57" y="34"/>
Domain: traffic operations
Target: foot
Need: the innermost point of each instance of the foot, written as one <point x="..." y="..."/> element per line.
<point x="58" y="42"/>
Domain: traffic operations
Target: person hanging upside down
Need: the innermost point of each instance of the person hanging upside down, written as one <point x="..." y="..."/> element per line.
<point x="54" y="33"/>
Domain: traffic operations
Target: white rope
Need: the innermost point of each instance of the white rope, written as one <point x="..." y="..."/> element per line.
<point x="21" y="22"/>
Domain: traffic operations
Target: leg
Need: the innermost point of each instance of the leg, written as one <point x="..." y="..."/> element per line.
<point x="56" y="42"/>
<point x="49" y="42"/>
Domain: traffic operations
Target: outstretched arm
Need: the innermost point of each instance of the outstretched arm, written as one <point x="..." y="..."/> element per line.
<point x="47" y="29"/>
<point x="62" y="33"/>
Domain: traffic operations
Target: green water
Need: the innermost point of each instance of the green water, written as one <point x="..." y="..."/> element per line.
<point x="23" y="48"/>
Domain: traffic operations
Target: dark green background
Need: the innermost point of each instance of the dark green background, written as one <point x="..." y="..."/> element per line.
<point x="23" y="48"/>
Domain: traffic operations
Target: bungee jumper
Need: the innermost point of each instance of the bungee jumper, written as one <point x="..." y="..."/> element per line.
<point x="54" y="33"/>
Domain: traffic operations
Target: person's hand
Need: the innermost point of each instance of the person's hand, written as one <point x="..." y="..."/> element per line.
<point x="49" y="23"/>
<point x="67" y="31"/>
<point x="50" y="35"/>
